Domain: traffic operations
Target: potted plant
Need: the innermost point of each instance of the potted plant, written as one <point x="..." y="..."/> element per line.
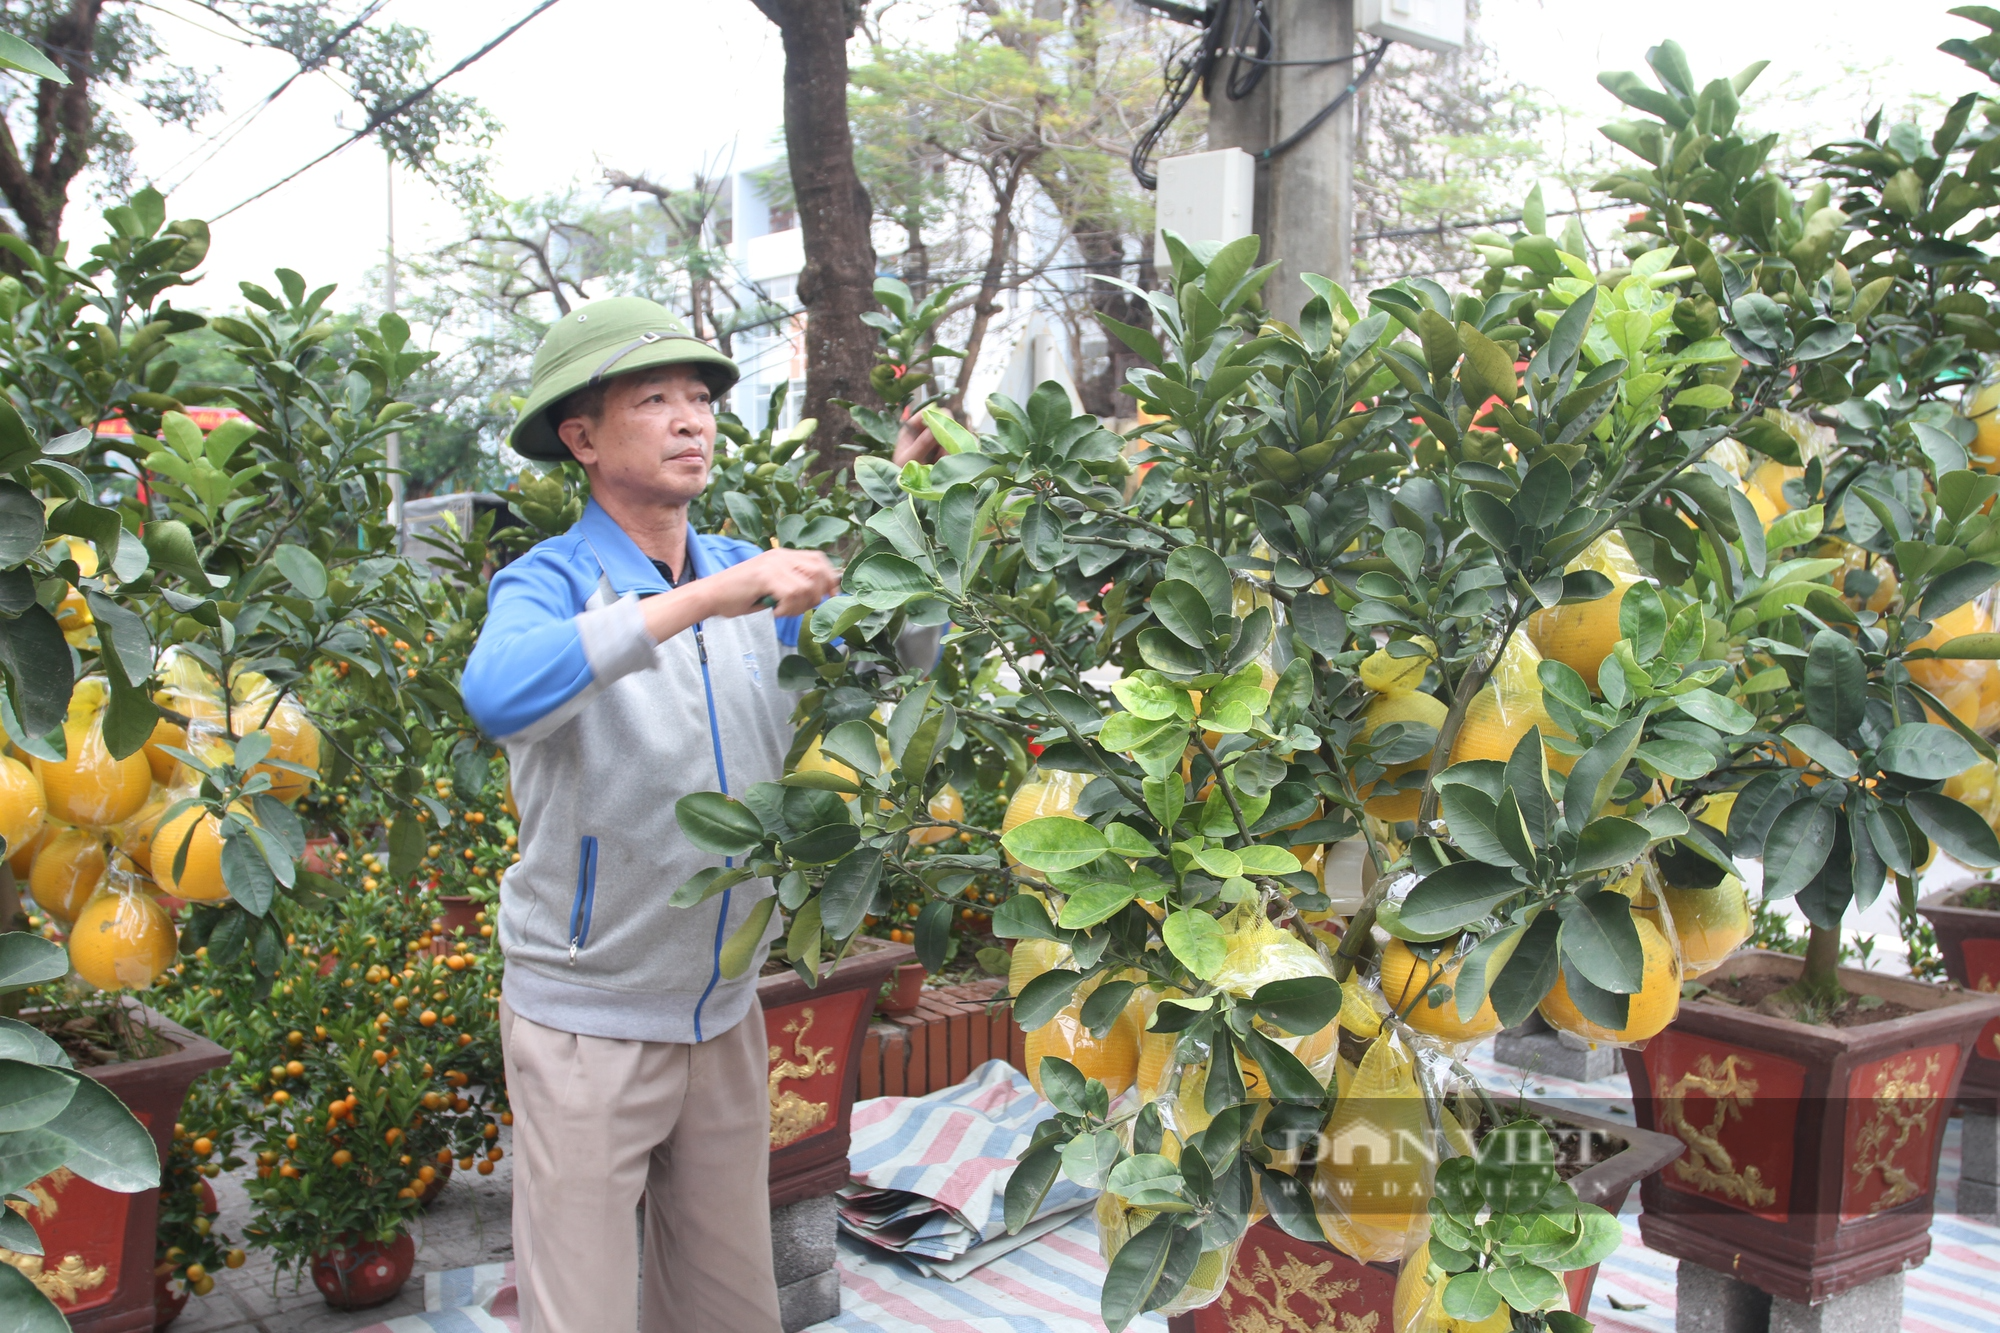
<point x="86" y="1167"/>
<point x="1967" y="924"/>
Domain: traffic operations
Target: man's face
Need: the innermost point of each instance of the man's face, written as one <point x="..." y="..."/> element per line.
<point x="654" y="441"/>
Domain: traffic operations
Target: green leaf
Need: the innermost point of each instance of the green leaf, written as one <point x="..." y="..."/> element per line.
<point x="1299" y="1005"/>
<point x="246" y="873"/>
<point x="706" y="884"/>
<point x="39" y="667"/>
<point x="1260" y="859"/>
<point x="1798" y="844"/>
<point x="1088" y="1158"/>
<point x="933" y="934"/>
<point x="1825" y="751"/>
<point x="1959" y="831"/>
<point x="1055" y="842"/>
<point x="1489" y="956"/>
<point x="18" y="54"/>
<point x="1143" y="1175"/>
<point x="849" y="892"/>
<point x="1095" y="903"/>
<point x="1836" y="686"/>
<point x="1642" y="618"/>
<point x="30" y="960"/>
<point x="1286" y="1078"/>
<point x="802" y="942"/>
<point x="1715" y="710"/>
<point x="741" y="947"/>
<point x="302" y="569"/>
<point x="17" y="1233"/>
<point x="1129" y="1281"/>
<point x="1595" y="776"/>
<point x="1601" y="941"/>
<point x="1471" y="1296"/>
<point x="1106" y="1004"/>
<point x="109" y="1147"/>
<point x="1957" y="586"/>
<point x="1526" y="1287"/>
<point x="1795" y="528"/>
<point x="26" y="1308"/>
<point x="1196" y="940"/>
<point x="1029" y="1184"/>
<point x="32" y="1095"/>
<point x="719" y="824"/>
<point x="1606" y="844"/>
<point x="884" y="581"/>
<point x="1457" y="895"/>
<point x="1045" y="996"/>
<point x="1924" y="750"/>
<point x="1528" y="976"/>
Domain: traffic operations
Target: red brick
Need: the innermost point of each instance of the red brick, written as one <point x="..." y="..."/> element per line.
<point x="937" y="1053"/>
<point x="870" y="1084"/>
<point x="979" y="1034"/>
<point x="895" y="1056"/>
<point x="958" y="1031"/>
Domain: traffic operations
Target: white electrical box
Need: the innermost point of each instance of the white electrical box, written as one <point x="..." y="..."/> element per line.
<point x="1204" y="197"/>
<point x="1434" y="25"/>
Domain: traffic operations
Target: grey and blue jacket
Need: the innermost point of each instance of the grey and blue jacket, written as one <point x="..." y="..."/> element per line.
<point x="604" y="731"/>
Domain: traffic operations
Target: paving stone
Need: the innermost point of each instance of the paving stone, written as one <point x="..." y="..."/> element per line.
<point x="1872" y="1307"/>
<point x="802" y="1238"/>
<point x="1979" y="1163"/>
<point x="1537" y="1047"/>
<point x="1706" y="1301"/>
<point x="810" y="1300"/>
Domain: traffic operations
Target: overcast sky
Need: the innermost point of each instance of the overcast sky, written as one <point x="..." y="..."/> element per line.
<point x="666" y="87"/>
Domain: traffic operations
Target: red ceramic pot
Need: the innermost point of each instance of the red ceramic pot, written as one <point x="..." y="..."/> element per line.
<point x="168" y="1301"/>
<point x="319" y="855"/>
<point x="814" y="1036"/>
<point x="1812" y="1150"/>
<point x="905" y="991"/>
<point x="366" y="1274"/>
<point x="1265" y="1290"/>
<point x="100" y="1246"/>
<point x="1969" y="940"/>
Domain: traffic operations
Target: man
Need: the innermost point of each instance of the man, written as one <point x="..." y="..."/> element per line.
<point x="624" y="665"/>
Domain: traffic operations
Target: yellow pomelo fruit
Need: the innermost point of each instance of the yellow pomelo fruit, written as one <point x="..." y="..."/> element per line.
<point x="1406" y="981"/>
<point x="295" y="740"/>
<point x="1712" y="923"/>
<point x="1582" y="635"/>
<point x="162" y="763"/>
<point x="1886" y="582"/>
<point x="1156" y="1049"/>
<point x="1419" y="1305"/>
<point x="1385" y="673"/>
<point x="1374" y="1169"/>
<point x="122" y="941"/>
<point x="90" y="787"/>
<point x="1984" y="410"/>
<point x="24" y="808"/>
<point x="67" y="871"/>
<point x="1960" y="683"/>
<point x="947" y="804"/>
<point x="1118" y="1221"/>
<point x="134" y="837"/>
<point x="1767" y="512"/>
<point x="1112" y="1059"/>
<point x="1647" y="1013"/>
<point x="1769" y="478"/>
<point x="1357" y="1009"/>
<point x="1382" y="710"/>
<point x="21" y="859"/>
<point x="200" y="880"/>
<point x="1716" y="809"/>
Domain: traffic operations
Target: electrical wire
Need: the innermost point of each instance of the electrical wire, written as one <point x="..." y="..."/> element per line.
<point x="388" y="114"/>
<point x="1187" y="69"/>
<point x="242" y="121"/>
<point x="1341" y="99"/>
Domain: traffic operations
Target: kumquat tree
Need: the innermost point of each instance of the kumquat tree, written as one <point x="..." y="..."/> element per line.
<point x="1559" y="595"/>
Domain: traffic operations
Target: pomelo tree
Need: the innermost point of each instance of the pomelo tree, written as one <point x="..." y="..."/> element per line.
<point x="1673" y="545"/>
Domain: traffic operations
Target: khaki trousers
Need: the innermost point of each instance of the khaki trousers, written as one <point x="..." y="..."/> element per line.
<point x="600" y="1125"/>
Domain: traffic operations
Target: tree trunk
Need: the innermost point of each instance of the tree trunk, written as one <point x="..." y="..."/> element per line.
<point x="986" y="304"/>
<point x="837" y="285"/>
<point x="35" y="184"/>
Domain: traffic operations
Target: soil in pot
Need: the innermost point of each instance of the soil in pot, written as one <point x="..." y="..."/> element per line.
<point x="367" y="1274"/>
<point x="1752" y="992"/>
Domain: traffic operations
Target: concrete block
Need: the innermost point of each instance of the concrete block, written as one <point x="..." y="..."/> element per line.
<point x="1872" y="1307"/>
<point x="1706" y="1301"/>
<point x="802" y="1239"/>
<point x="1556" y="1054"/>
<point x="810" y="1300"/>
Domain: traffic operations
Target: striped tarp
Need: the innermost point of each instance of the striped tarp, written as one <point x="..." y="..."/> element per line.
<point x="1051" y="1285"/>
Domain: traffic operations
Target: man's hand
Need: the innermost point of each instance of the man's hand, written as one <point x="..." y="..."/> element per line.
<point x="914" y="442"/>
<point x="793" y="582"/>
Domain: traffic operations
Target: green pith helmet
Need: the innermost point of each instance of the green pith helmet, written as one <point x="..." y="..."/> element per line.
<point x="596" y="342"/>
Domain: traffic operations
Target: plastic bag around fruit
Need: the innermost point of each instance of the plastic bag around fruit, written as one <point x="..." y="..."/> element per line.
<point x="1377" y="1155"/>
<point x="1118" y="1222"/>
<point x="1112" y="1059"/>
<point x="1969" y="688"/>
<point x="1508" y="704"/>
<point x="1422" y="991"/>
<point x="1581" y="635"/>
<point x="87" y="787"/>
<point x="1653" y="1006"/>
<point x="1419" y="1302"/>
<point x="1259" y="953"/>
<point x="122" y="938"/>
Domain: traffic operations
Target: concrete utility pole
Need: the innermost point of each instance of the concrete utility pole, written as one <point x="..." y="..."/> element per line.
<point x="1304" y="196"/>
<point x="394" y="460"/>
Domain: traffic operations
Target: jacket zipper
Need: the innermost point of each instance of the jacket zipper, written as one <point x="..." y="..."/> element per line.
<point x="586" y="891"/>
<point x="722" y="779"/>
